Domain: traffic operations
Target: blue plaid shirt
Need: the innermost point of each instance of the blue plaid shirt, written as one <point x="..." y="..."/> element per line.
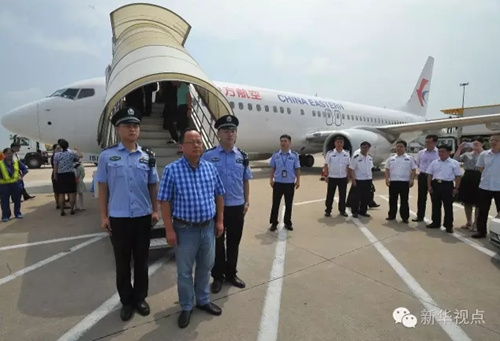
<point x="191" y="191"/>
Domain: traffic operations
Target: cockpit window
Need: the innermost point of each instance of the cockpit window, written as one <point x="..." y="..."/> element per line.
<point x="84" y="93"/>
<point x="65" y="93"/>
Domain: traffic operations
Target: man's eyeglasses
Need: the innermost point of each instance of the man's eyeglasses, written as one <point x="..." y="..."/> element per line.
<point x="199" y="142"/>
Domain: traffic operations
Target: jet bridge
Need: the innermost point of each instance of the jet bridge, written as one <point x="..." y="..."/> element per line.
<point x="148" y="47"/>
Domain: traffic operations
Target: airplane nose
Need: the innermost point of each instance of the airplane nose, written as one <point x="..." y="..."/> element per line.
<point x="23" y="121"/>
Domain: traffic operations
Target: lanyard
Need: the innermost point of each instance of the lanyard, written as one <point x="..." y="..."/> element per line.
<point x="284" y="160"/>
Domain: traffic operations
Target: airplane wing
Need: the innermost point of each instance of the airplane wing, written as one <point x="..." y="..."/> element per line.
<point x="491" y="121"/>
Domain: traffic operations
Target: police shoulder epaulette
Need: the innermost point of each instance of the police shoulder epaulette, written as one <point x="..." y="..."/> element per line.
<point x="113" y="146"/>
<point x="355" y="156"/>
<point x="294" y="152"/>
<point x="245" y="154"/>
<point x="209" y="149"/>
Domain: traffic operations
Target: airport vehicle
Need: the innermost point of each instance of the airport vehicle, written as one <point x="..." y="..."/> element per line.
<point x="32" y="153"/>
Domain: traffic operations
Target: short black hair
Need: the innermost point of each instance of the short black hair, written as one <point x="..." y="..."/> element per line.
<point x="14" y="145"/>
<point x="183" y="134"/>
<point x="478" y="139"/>
<point x="63" y="143"/>
<point x="339" y="138"/>
<point x="433" y="137"/>
<point x="445" y="146"/>
<point x="402" y="142"/>
<point x="286" y="136"/>
<point x="6" y="150"/>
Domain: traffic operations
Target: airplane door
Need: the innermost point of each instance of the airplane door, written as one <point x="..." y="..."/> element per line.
<point x="328" y="117"/>
<point x="337" y="118"/>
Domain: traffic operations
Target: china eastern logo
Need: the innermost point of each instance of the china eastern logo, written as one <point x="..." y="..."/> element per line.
<point x="421" y="93"/>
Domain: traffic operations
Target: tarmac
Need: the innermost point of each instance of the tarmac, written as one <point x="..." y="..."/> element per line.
<point x="331" y="278"/>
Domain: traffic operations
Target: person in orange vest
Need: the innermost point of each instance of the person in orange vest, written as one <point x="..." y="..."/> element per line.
<point x="1" y="156"/>
<point x="11" y="174"/>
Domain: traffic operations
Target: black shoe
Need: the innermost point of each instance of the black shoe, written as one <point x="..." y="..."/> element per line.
<point x="289" y="227"/>
<point x="365" y="215"/>
<point x="211" y="308"/>
<point x="418" y="219"/>
<point x="373" y="205"/>
<point x="236" y="282"/>
<point x="142" y="308"/>
<point x="478" y="235"/>
<point x="405" y="221"/>
<point x="126" y="312"/>
<point x="449" y="229"/>
<point x="343" y="214"/>
<point x="327" y="214"/>
<point x="354" y="215"/>
<point x="216" y="285"/>
<point x="184" y="318"/>
<point x="432" y="226"/>
<point x="29" y="197"/>
<point x="273" y="227"/>
<point x="389" y="218"/>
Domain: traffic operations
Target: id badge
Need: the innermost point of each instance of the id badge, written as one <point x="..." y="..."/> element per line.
<point x="283" y="174"/>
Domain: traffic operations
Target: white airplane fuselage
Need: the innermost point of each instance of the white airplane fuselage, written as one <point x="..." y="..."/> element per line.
<point x="264" y="115"/>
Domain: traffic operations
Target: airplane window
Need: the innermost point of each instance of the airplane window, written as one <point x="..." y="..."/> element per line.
<point x="23" y="141"/>
<point x="282" y="110"/>
<point x="314" y="113"/>
<point x="343" y="116"/>
<point x="249" y="106"/>
<point x="65" y="93"/>
<point x="240" y="105"/>
<point x="84" y="93"/>
<point x="348" y="117"/>
<point x="231" y="104"/>
<point x="302" y="111"/>
<point x="288" y="110"/>
<point x="275" y="109"/>
<point x="266" y="107"/>
<point x="258" y="107"/>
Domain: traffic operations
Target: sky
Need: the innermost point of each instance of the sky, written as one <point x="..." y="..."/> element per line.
<point x="364" y="51"/>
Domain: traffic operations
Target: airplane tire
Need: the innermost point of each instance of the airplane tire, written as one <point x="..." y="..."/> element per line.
<point x="309" y="160"/>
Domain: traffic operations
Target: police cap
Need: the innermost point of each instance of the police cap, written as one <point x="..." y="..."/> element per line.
<point x="126" y="115"/>
<point x="365" y="143"/>
<point x="227" y="121"/>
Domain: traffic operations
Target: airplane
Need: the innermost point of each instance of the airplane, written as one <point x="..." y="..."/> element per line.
<point x="73" y="112"/>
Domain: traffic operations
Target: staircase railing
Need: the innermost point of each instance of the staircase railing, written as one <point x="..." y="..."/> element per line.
<point x="203" y="120"/>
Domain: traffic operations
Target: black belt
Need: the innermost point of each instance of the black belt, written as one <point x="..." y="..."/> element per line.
<point x="442" y="181"/>
<point x="200" y="224"/>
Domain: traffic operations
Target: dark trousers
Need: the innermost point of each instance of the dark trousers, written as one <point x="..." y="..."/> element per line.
<point x="226" y="253"/>
<point x="361" y="196"/>
<point x="130" y="237"/>
<point x="282" y="189"/>
<point x="182" y="118"/>
<point x="422" y="195"/>
<point x="399" y="189"/>
<point x="442" y="193"/>
<point x="333" y="183"/>
<point x="148" y="101"/>
<point x="484" y="208"/>
<point x="169" y="118"/>
<point x="8" y="191"/>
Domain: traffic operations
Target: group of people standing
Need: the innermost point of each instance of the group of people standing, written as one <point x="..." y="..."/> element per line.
<point x="203" y="198"/>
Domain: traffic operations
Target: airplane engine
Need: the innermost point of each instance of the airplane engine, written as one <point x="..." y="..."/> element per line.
<point x="380" y="149"/>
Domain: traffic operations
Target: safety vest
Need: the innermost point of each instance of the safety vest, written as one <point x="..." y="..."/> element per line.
<point x="6" y="178"/>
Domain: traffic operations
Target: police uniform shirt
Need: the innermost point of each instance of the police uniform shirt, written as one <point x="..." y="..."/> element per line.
<point x="337" y="163"/>
<point x="445" y="170"/>
<point x="127" y="175"/>
<point x="231" y="171"/>
<point x="362" y="167"/>
<point x="490" y="178"/>
<point x="285" y="165"/>
<point x="400" y="167"/>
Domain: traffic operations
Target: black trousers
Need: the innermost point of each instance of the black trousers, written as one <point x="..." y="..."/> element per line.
<point x="333" y="183"/>
<point x="227" y="246"/>
<point x="130" y="238"/>
<point x="484" y="208"/>
<point x="361" y="196"/>
<point x="422" y="195"/>
<point x="182" y="118"/>
<point x="399" y="190"/>
<point x="169" y="118"/>
<point x="281" y="189"/>
<point x="442" y="193"/>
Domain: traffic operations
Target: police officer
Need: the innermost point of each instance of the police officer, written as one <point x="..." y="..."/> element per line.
<point x="284" y="179"/>
<point x="234" y="170"/>
<point x="361" y="176"/>
<point x="336" y="168"/>
<point x="440" y="176"/>
<point x="128" y="186"/>
<point x="400" y="171"/>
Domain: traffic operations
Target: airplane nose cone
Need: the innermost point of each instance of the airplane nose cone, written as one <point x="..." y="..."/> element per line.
<point x="23" y="120"/>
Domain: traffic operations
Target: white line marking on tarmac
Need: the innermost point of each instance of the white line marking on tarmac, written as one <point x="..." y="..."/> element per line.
<point x="269" y="323"/>
<point x="17" y="246"/>
<point x="466" y="240"/>
<point x="454" y="331"/>
<point x="457" y="205"/>
<point x="91" y="320"/>
<point x="308" y="202"/>
<point x="47" y="260"/>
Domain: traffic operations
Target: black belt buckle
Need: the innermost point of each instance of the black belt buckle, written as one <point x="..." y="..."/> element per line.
<point x="201" y="224"/>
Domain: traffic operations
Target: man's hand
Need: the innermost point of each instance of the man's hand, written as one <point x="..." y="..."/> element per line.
<point x="245" y="208"/>
<point x="105" y="225"/>
<point x="271" y="182"/>
<point x="354" y="182"/>
<point x="297" y="184"/>
<point x="387" y="182"/>
<point x="171" y="237"/>
<point x="154" y="218"/>
<point x="219" y="229"/>
<point x="411" y="183"/>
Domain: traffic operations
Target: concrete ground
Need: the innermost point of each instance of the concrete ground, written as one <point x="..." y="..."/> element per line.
<point x="331" y="278"/>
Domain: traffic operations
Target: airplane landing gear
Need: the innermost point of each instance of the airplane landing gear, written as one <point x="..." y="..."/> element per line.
<point x="306" y="160"/>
